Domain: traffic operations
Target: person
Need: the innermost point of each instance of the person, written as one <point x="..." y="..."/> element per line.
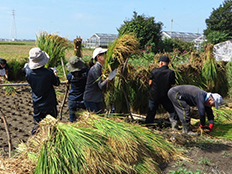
<point x="4" y="67"/>
<point x="25" y="68"/>
<point x="93" y="95"/>
<point x="77" y="77"/>
<point x="161" y="80"/>
<point x="184" y="96"/>
<point x="41" y="81"/>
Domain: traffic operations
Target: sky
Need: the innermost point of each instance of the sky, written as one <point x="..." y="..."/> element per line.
<point x="74" y="18"/>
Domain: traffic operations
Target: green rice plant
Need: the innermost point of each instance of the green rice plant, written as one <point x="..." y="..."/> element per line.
<point x="204" y="161"/>
<point x="15" y="69"/>
<point x="54" y="46"/>
<point x="96" y="144"/>
<point x="117" y="57"/>
<point x="142" y="59"/>
<point x="209" y="69"/>
<point x="229" y="77"/>
<point x="184" y="171"/>
<point x="9" y="90"/>
<point x="223" y="114"/>
<point x="139" y="89"/>
<point x="223" y="125"/>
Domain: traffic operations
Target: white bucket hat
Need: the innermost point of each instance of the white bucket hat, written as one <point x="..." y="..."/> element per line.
<point x="37" y="58"/>
<point x="217" y="99"/>
<point x="98" y="51"/>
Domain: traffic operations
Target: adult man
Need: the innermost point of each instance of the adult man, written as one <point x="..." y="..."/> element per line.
<point x="161" y="80"/>
<point x="3" y="69"/>
<point x="41" y="81"/>
<point x="184" y="96"/>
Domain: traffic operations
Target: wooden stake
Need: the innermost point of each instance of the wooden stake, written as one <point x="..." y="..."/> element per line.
<point x="22" y="84"/>
<point x="66" y="89"/>
<point x="7" y="132"/>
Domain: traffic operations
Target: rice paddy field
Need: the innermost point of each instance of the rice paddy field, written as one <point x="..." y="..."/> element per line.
<point x="110" y="143"/>
<point x="20" y="50"/>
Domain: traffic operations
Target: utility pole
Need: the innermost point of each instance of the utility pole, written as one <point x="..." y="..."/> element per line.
<point x="171" y="28"/>
<point x="13" y="34"/>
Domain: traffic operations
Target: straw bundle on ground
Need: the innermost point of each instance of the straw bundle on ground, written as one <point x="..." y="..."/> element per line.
<point x="93" y="145"/>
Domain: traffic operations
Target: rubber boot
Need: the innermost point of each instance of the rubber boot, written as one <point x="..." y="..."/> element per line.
<point x="187" y="130"/>
<point x="173" y="123"/>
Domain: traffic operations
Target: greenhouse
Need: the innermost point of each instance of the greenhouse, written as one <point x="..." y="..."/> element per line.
<point x="99" y="40"/>
<point x="197" y="38"/>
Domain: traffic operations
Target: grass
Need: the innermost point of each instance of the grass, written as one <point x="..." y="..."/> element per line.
<point x="204" y="161"/>
<point x="184" y="171"/>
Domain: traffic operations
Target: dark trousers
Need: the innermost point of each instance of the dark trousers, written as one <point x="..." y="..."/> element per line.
<point x="153" y="106"/>
<point x="94" y="107"/>
<point x="181" y="107"/>
<point x="40" y="114"/>
<point x="73" y="107"/>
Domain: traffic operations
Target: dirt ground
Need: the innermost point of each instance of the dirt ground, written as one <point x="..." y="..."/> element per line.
<point x="18" y="111"/>
<point x="203" y="153"/>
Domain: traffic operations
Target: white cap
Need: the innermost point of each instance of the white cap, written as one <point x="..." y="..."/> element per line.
<point x="217" y="99"/>
<point x="98" y="51"/>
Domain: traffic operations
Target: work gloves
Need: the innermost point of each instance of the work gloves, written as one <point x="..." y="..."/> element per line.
<point x="205" y="127"/>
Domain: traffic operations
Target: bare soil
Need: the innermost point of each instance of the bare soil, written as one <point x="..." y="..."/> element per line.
<point x="18" y="111"/>
<point x="203" y="153"/>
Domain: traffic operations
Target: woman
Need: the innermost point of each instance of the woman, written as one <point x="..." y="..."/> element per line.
<point x="42" y="82"/>
<point x="77" y="77"/>
<point x="93" y="95"/>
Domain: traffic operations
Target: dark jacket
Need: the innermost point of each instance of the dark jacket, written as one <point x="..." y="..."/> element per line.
<point x="194" y="96"/>
<point x="41" y="81"/>
<point x="162" y="80"/>
<point x="94" y="85"/>
<point x="77" y="85"/>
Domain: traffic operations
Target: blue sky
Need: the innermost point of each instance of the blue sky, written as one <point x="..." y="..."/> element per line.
<point x="72" y="18"/>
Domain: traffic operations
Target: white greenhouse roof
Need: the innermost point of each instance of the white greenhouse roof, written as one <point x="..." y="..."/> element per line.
<point x="185" y="36"/>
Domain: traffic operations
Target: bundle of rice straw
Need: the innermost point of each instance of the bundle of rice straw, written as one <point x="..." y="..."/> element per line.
<point x="94" y="144"/>
<point x="121" y="49"/>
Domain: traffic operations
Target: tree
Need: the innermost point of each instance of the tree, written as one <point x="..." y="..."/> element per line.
<point x="146" y="30"/>
<point x="219" y="23"/>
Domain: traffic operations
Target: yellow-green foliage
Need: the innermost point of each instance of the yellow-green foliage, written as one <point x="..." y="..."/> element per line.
<point x="54" y="46"/>
<point x="223" y="123"/>
<point x="209" y="69"/>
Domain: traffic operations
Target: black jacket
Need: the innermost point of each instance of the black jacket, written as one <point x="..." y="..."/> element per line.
<point x="162" y="80"/>
<point x="41" y="81"/>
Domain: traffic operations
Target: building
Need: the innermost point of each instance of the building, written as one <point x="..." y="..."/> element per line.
<point x="197" y="38"/>
<point x="99" y="40"/>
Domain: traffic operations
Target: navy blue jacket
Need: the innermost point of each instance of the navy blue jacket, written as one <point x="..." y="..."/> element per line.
<point x="41" y="81"/>
<point x="77" y="85"/>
